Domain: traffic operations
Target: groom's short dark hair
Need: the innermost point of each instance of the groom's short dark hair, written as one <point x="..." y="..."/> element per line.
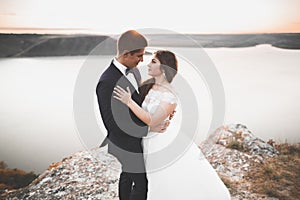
<point x="131" y="41"/>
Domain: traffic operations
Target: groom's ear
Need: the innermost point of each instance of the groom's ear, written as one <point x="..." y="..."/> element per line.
<point x="125" y="53"/>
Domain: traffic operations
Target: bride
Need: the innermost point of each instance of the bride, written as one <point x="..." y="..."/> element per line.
<point x="170" y="175"/>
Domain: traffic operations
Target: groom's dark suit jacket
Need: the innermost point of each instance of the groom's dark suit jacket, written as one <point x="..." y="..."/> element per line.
<point x="124" y="129"/>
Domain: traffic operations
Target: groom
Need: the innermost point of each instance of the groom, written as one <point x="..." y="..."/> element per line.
<point x="125" y="130"/>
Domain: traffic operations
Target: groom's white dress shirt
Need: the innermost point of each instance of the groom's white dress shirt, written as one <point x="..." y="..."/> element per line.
<point x="129" y="76"/>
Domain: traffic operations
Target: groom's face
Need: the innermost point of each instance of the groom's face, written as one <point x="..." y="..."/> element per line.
<point x="133" y="59"/>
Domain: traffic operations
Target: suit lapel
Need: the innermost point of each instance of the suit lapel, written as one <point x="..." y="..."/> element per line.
<point x="122" y="81"/>
<point x="137" y="76"/>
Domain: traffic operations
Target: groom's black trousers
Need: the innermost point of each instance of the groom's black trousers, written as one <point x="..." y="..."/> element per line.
<point x="133" y="183"/>
<point x="136" y="192"/>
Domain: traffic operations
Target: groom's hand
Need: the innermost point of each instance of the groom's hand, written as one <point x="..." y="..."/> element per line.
<point x="164" y="126"/>
<point x="172" y="114"/>
<point x="161" y="128"/>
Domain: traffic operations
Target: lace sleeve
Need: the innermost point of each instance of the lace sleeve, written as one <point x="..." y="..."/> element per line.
<point x="169" y="98"/>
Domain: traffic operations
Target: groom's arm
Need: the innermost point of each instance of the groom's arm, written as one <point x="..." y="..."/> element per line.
<point x="104" y="90"/>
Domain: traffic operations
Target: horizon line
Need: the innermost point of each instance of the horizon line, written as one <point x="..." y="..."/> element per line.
<point x="36" y="30"/>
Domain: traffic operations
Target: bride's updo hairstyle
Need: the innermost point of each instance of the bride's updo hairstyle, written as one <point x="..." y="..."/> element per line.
<point x="169" y="66"/>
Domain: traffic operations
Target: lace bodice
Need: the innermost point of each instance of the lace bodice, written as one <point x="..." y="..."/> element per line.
<point x="155" y="97"/>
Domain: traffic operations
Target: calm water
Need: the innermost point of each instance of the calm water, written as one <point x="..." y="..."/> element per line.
<point x="262" y="88"/>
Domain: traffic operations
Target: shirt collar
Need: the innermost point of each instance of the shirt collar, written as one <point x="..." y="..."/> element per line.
<point x="120" y="66"/>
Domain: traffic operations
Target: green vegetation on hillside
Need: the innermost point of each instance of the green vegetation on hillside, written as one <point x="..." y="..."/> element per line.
<point x="279" y="176"/>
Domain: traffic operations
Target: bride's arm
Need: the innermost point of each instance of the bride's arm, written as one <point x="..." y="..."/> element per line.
<point x="161" y="113"/>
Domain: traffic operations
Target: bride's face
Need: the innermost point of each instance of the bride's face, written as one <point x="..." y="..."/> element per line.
<point x="154" y="67"/>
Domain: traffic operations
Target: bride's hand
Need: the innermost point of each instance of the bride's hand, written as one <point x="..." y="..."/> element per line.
<point x="122" y="95"/>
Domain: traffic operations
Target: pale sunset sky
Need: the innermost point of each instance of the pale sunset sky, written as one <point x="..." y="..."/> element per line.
<point x="188" y="16"/>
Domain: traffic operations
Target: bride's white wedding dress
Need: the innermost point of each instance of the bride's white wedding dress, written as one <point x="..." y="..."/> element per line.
<point x="176" y="170"/>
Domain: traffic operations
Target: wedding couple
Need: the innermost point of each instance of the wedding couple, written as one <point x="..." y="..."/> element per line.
<point x="131" y="109"/>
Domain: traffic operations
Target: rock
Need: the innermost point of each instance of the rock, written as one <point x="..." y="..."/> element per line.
<point x="91" y="174"/>
<point x="239" y="137"/>
<point x="231" y="150"/>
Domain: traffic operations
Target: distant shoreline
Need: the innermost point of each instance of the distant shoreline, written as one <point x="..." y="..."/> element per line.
<point x="35" y="45"/>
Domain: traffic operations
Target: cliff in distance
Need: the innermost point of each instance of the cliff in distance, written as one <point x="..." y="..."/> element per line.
<point x="35" y="45"/>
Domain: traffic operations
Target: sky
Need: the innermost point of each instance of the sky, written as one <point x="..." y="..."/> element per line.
<point x="188" y="16"/>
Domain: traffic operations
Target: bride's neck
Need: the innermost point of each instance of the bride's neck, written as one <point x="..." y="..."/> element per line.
<point x="161" y="80"/>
